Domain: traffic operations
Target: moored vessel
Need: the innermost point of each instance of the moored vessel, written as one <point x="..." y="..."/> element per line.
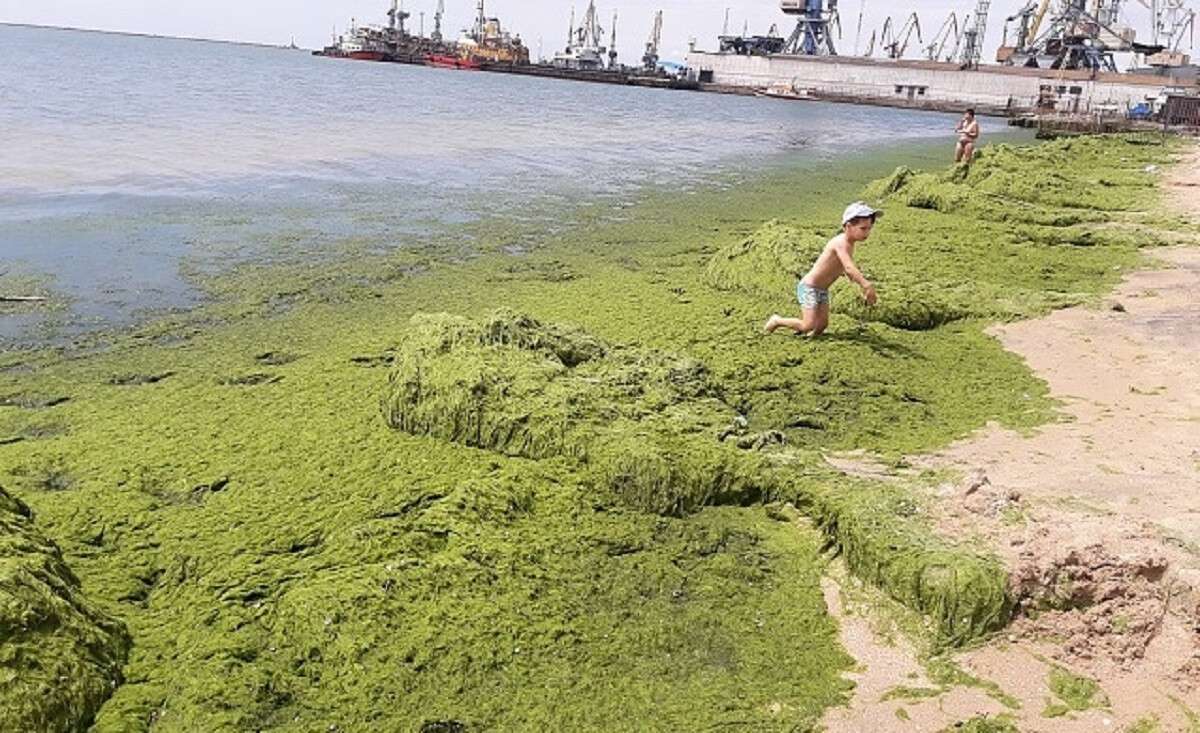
<point x="452" y="61"/>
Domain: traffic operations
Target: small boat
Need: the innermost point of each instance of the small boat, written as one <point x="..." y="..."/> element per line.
<point x="449" y="61"/>
<point x="785" y="90"/>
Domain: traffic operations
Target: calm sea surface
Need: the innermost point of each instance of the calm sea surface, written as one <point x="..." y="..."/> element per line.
<point x="126" y="163"/>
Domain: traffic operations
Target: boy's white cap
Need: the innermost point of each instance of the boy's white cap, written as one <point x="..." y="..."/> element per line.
<point x="860" y="210"/>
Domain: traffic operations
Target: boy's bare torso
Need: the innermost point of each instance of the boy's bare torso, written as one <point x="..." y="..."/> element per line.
<point x="829" y="267"/>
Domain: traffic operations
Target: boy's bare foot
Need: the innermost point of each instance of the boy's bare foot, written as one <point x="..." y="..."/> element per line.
<point x="772" y="324"/>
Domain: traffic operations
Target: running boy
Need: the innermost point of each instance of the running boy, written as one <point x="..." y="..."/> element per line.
<point x="836" y="259"/>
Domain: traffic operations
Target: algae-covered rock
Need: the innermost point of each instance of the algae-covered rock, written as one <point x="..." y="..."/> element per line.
<point x="645" y="424"/>
<point x="60" y="658"/>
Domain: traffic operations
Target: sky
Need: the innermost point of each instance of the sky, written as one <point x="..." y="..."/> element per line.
<point x="537" y="21"/>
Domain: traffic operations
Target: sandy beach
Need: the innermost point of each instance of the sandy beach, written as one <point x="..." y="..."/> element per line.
<point x="1107" y="497"/>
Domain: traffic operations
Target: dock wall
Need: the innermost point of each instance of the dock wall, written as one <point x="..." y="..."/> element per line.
<point x="930" y="84"/>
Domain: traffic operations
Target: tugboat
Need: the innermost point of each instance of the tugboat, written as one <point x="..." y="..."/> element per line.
<point x="362" y="47"/>
<point x="361" y="43"/>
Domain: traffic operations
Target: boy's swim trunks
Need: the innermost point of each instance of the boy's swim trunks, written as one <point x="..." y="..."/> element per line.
<point x="810" y="298"/>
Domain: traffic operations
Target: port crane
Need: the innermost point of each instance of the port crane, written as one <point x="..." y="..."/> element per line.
<point x="951" y="31"/>
<point x="440" y="13"/>
<point x="895" y="42"/>
<point x="584" y="44"/>
<point x="612" y="44"/>
<point x="1172" y="22"/>
<point x="1084" y="34"/>
<point x="589" y="32"/>
<point x="975" y="35"/>
<point x="1027" y="27"/>
<point x="396" y="17"/>
<point x="650" y="59"/>
<point x="815" y="26"/>
<point x="1080" y="34"/>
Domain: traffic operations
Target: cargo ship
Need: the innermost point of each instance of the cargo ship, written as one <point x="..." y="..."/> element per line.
<point x="360" y="43"/>
<point x="486" y="43"/>
<point x="392" y="42"/>
<point x="487" y="46"/>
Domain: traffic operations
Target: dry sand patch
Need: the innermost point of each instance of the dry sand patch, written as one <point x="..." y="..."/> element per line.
<point x="1098" y="515"/>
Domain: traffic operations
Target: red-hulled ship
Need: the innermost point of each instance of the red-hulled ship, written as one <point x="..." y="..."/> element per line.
<point x="485" y="43"/>
<point x="450" y="61"/>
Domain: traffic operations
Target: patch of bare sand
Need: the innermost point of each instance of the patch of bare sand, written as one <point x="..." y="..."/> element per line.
<point x="1097" y="515"/>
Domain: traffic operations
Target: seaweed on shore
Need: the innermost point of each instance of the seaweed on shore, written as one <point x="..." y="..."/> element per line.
<point x="60" y="657"/>
<point x="286" y="561"/>
<point x="644" y="424"/>
<point x="880" y="533"/>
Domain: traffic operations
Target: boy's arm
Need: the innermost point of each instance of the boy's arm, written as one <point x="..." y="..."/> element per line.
<point x="855" y="275"/>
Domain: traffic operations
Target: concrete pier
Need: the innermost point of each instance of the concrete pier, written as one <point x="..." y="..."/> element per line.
<point x="934" y="85"/>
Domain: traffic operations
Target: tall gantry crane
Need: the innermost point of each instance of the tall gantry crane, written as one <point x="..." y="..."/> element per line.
<point x="612" y="44"/>
<point x="589" y="34"/>
<point x="396" y="17"/>
<point x="650" y="59"/>
<point x="950" y="32"/>
<point x="436" y="37"/>
<point x="1172" y="23"/>
<point x="895" y="42"/>
<point x="1084" y="34"/>
<point x="1074" y="38"/>
<point x="815" y="26"/>
<point x="974" y="36"/>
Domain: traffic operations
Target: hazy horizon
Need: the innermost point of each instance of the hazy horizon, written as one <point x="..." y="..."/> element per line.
<point x="541" y="23"/>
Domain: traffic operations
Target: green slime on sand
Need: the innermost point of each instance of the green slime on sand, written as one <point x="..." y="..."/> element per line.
<point x="60" y="657"/>
<point x="224" y="483"/>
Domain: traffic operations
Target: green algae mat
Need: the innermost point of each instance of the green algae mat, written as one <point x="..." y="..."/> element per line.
<point x="482" y="491"/>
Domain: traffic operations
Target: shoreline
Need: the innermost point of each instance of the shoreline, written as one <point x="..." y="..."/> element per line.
<point x="233" y="495"/>
<point x="1107" y="488"/>
<point x="531" y="232"/>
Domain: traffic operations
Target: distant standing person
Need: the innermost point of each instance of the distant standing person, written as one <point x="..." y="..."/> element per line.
<point x="968" y="138"/>
<point x="836" y="259"/>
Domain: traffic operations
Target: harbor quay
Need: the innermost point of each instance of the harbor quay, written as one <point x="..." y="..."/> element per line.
<point x="931" y="84"/>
